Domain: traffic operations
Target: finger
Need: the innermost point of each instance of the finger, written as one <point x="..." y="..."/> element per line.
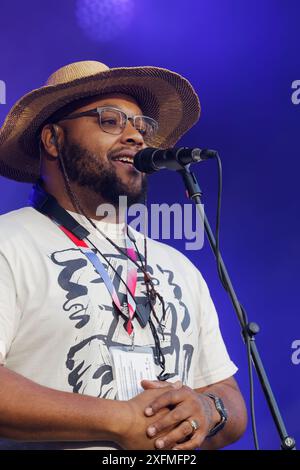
<point x="151" y="384"/>
<point x="179" y="434"/>
<point x="191" y="444"/>
<point x="169" y="421"/>
<point x="171" y="397"/>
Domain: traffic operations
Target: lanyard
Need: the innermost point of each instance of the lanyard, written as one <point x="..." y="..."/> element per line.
<point x="131" y="281"/>
<point x="48" y="205"/>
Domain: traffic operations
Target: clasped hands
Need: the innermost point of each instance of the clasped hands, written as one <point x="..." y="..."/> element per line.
<point x="188" y="421"/>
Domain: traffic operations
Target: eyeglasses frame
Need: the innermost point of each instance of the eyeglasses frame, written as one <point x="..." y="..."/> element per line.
<point x="96" y="111"/>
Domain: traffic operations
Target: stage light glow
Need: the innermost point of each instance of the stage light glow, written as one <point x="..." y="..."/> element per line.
<point x="104" y="20"/>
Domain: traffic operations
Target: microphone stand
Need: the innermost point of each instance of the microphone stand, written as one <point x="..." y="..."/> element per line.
<point x="249" y="330"/>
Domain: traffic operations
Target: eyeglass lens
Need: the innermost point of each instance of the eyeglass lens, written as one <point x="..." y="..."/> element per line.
<point x="114" y="122"/>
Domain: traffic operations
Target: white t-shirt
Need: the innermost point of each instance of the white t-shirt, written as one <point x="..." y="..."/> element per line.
<point x="57" y="320"/>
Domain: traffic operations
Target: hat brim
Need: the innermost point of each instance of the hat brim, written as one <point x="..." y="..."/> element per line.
<point x="164" y="95"/>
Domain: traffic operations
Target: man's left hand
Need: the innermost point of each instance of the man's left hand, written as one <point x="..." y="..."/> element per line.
<point x="190" y="417"/>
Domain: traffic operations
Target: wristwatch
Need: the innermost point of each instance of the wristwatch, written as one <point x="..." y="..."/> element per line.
<point x="222" y="412"/>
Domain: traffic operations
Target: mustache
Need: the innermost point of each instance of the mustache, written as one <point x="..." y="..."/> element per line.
<point x="116" y="152"/>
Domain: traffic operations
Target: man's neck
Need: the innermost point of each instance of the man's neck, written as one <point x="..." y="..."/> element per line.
<point x="90" y="204"/>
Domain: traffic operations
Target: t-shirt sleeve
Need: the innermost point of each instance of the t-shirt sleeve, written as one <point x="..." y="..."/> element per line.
<point x="8" y="308"/>
<point x="214" y="363"/>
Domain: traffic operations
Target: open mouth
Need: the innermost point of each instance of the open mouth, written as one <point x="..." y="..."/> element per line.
<point x="125" y="159"/>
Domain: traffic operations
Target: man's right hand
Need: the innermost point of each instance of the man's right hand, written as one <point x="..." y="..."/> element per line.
<point x="133" y="422"/>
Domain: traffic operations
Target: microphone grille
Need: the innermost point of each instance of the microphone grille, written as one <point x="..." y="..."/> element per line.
<point x="143" y="160"/>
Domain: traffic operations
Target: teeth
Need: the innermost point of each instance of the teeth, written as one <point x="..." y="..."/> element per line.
<point x="124" y="159"/>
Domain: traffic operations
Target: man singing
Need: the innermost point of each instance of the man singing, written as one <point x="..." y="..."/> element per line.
<point x="86" y="302"/>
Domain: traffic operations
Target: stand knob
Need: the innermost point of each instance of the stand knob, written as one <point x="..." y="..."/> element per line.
<point x="288" y="443"/>
<point x="253" y="328"/>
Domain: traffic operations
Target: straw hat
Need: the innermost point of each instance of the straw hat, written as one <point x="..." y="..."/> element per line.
<point x="164" y="95"/>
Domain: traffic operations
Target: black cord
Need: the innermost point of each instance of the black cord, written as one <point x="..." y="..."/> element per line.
<point x="111" y="265"/>
<point x="246" y="336"/>
<point x="160" y="359"/>
<point x="150" y="296"/>
<point x="153" y="292"/>
<point x="218" y="218"/>
<point x="77" y="205"/>
<point x="159" y="355"/>
<point x="251" y="381"/>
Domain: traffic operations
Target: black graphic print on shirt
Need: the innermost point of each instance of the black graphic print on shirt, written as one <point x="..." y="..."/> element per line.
<point x="90" y="311"/>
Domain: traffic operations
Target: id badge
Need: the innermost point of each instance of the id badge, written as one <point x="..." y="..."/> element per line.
<point x="130" y="366"/>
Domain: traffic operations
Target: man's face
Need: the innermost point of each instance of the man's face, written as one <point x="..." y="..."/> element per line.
<point x="89" y="153"/>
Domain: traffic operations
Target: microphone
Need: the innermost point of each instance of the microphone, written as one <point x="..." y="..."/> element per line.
<point x="151" y="159"/>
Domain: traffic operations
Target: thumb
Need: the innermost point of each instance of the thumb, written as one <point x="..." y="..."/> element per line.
<point x="155" y="384"/>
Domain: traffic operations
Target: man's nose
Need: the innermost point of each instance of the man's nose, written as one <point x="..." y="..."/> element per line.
<point x="131" y="134"/>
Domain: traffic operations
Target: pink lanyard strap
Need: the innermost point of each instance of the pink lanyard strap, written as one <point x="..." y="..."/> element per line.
<point x="131" y="280"/>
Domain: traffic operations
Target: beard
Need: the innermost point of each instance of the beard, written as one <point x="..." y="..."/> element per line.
<point x="87" y="170"/>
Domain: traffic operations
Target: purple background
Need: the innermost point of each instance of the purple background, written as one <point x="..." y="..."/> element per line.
<point x="242" y="58"/>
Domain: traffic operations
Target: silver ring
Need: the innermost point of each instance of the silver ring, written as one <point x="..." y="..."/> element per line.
<point x="195" y="425"/>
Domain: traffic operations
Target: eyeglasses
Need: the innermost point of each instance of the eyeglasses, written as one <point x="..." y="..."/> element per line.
<point x="114" y="121"/>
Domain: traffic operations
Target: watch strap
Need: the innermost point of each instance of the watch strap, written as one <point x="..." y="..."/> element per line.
<point x="218" y="402"/>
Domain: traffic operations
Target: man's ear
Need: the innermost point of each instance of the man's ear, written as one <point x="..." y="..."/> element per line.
<point x="52" y="138"/>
